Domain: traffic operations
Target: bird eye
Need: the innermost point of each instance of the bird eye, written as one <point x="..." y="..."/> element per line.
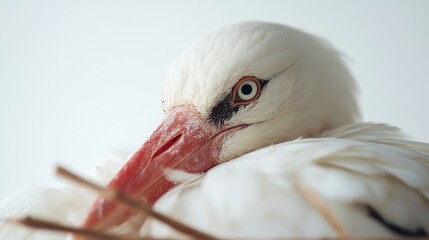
<point x="246" y="90"/>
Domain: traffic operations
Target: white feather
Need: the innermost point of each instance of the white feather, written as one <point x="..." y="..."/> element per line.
<point x="64" y="205"/>
<point x="256" y="196"/>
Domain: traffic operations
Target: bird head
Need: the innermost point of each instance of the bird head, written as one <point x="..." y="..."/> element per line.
<point x="248" y="86"/>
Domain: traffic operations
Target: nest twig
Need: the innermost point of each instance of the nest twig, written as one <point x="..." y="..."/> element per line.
<point x="311" y="197"/>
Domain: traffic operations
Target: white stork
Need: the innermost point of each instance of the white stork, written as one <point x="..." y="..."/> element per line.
<point x="260" y="129"/>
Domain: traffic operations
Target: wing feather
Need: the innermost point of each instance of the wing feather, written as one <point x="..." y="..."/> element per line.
<point x="256" y="195"/>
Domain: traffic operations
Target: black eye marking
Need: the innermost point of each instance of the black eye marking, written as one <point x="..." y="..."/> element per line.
<point x="225" y="109"/>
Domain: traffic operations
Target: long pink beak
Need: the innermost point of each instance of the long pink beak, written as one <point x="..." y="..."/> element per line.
<point x="183" y="141"/>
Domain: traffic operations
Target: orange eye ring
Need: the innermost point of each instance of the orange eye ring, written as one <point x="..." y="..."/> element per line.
<point x="246" y="91"/>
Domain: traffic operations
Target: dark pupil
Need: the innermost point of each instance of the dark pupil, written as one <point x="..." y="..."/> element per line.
<point x="246" y="89"/>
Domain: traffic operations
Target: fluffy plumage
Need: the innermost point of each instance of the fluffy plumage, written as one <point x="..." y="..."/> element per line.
<point x="353" y="169"/>
<point x="302" y="135"/>
<point x="307" y="79"/>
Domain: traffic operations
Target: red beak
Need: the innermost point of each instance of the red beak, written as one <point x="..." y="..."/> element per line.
<point x="183" y="141"/>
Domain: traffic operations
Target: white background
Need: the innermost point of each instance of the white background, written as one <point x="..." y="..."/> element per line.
<point x="79" y="79"/>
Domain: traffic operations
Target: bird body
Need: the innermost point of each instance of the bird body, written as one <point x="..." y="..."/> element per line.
<point x="355" y="169"/>
<point x="260" y="139"/>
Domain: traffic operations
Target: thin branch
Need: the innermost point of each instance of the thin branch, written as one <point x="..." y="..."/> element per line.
<point x="95" y="235"/>
<point x="137" y="205"/>
<point x="87" y="233"/>
<point x="316" y="201"/>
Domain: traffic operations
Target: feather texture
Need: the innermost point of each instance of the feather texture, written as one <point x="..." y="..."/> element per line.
<point x="368" y="166"/>
<point x="64" y="205"/>
<point x="350" y="168"/>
